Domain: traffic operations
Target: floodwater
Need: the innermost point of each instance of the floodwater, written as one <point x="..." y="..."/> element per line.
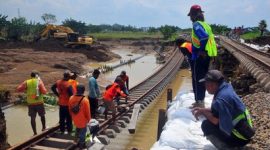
<point x="137" y="71"/>
<point x="146" y="129"/>
<point x="18" y="121"/>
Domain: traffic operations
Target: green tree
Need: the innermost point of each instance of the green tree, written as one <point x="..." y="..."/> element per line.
<point x="76" y="26"/>
<point x="219" y="29"/>
<point x="262" y="26"/>
<point x="3" y="21"/>
<point x="17" y="28"/>
<point x="152" y="30"/>
<point x="168" y="31"/>
<point x="48" y="18"/>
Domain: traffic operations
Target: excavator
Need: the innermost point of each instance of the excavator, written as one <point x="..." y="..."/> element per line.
<point x="72" y="39"/>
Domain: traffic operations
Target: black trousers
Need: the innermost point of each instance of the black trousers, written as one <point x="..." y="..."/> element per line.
<point x="210" y="129"/>
<point x="65" y="119"/>
<point x="93" y="106"/>
<point x="199" y="70"/>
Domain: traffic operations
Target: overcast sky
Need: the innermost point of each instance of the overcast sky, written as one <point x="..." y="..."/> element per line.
<point x="141" y="13"/>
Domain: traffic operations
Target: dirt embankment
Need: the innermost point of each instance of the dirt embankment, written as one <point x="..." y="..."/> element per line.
<point x="264" y="40"/>
<point x="50" y="58"/>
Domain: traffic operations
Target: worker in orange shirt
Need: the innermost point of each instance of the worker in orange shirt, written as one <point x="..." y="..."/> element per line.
<point x="63" y="90"/>
<point x="83" y="116"/>
<point x="73" y="82"/>
<point x="110" y="94"/>
<point x="124" y="85"/>
<point x="34" y="89"/>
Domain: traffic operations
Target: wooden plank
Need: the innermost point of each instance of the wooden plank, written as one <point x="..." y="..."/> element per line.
<point x="134" y="118"/>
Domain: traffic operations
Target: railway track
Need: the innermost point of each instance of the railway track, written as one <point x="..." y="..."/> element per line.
<point x="256" y="62"/>
<point x="143" y="94"/>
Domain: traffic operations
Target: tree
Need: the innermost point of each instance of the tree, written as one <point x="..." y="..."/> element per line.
<point x="3" y="21"/>
<point x="219" y="29"/>
<point x="168" y="31"/>
<point x="77" y="26"/>
<point x="17" y="28"/>
<point x="48" y="18"/>
<point x="262" y="26"/>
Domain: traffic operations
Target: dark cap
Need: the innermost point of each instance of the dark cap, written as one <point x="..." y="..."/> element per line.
<point x="213" y="75"/>
<point x="195" y="9"/>
<point x="80" y="89"/>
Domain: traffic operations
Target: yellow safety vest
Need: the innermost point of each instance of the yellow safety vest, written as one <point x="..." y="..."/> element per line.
<point x="237" y="119"/>
<point x="211" y="46"/>
<point x="32" y="96"/>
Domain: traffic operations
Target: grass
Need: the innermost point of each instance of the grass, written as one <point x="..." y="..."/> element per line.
<point x="250" y="35"/>
<point x="126" y="35"/>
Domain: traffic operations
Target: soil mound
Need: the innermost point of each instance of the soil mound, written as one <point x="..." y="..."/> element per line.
<point x="98" y="52"/>
<point x="264" y="40"/>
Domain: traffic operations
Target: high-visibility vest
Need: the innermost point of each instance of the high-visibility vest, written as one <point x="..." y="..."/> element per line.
<point x="237" y="119"/>
<point x="33" y="97"/>
<point x="188" y="46"/>
<point x="210" y="47"/>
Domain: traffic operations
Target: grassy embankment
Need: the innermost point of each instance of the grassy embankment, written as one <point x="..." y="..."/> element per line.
<point x="250" y="35"/>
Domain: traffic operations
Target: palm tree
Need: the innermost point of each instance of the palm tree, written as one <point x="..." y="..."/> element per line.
<point x="262" y="26"/>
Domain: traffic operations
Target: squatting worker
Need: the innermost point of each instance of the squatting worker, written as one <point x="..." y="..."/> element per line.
<point x="110" y="94"/>
<point x="35" y="89"/>
<point x="203" y="48"/>
<point x="63" y="90"/>
<point x="94" y="92"/>
<point x="228" y="123"/>
<point x="83" y="116"/>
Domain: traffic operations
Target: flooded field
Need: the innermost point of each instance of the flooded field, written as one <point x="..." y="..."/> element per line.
<point x="18" y="121"/>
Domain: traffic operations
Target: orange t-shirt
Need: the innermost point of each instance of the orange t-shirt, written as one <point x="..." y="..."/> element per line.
<point x="83" y="116"/>
<point x="62" y="88"/>
<point x="74" y="84"/>
<point x="112" y="91"/>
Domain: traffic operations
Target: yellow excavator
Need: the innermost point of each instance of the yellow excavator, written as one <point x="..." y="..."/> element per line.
<point x="72" y="39"/>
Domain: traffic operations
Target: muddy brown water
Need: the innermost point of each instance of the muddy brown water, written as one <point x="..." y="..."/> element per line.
<point x="18" y="121"/>
<point x="146" y="130"/>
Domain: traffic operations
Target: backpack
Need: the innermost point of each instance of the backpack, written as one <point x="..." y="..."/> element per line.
<point x="76" y="108"/>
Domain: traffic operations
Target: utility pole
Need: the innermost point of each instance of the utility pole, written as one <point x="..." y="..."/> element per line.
<point x="19" y="13"/>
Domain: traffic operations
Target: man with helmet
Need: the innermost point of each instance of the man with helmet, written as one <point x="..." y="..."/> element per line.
<point x="203" y="49"/>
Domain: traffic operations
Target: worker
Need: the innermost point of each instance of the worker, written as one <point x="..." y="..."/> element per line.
<point x="203" y="48"/>
<point x="228" y="123"/>
<point x="185" y="47"/>
<point x="35" y="89"/>
<point x="110" y="94"/>
<point x="82" y="116"/>
<point x="124" y="85"/>
<point x="73" y="82"/>
<point x="63" y="90"/>
<point x="94" y="92"/>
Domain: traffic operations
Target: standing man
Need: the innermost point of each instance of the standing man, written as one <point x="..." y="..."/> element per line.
<point x="82" y="116"/>
<point x="228" y="123"/>
<point x="63" y="90"/>
<point x="35" y="89"/>
<point x="203" y="48"/>
<point x="94" y="92"/>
